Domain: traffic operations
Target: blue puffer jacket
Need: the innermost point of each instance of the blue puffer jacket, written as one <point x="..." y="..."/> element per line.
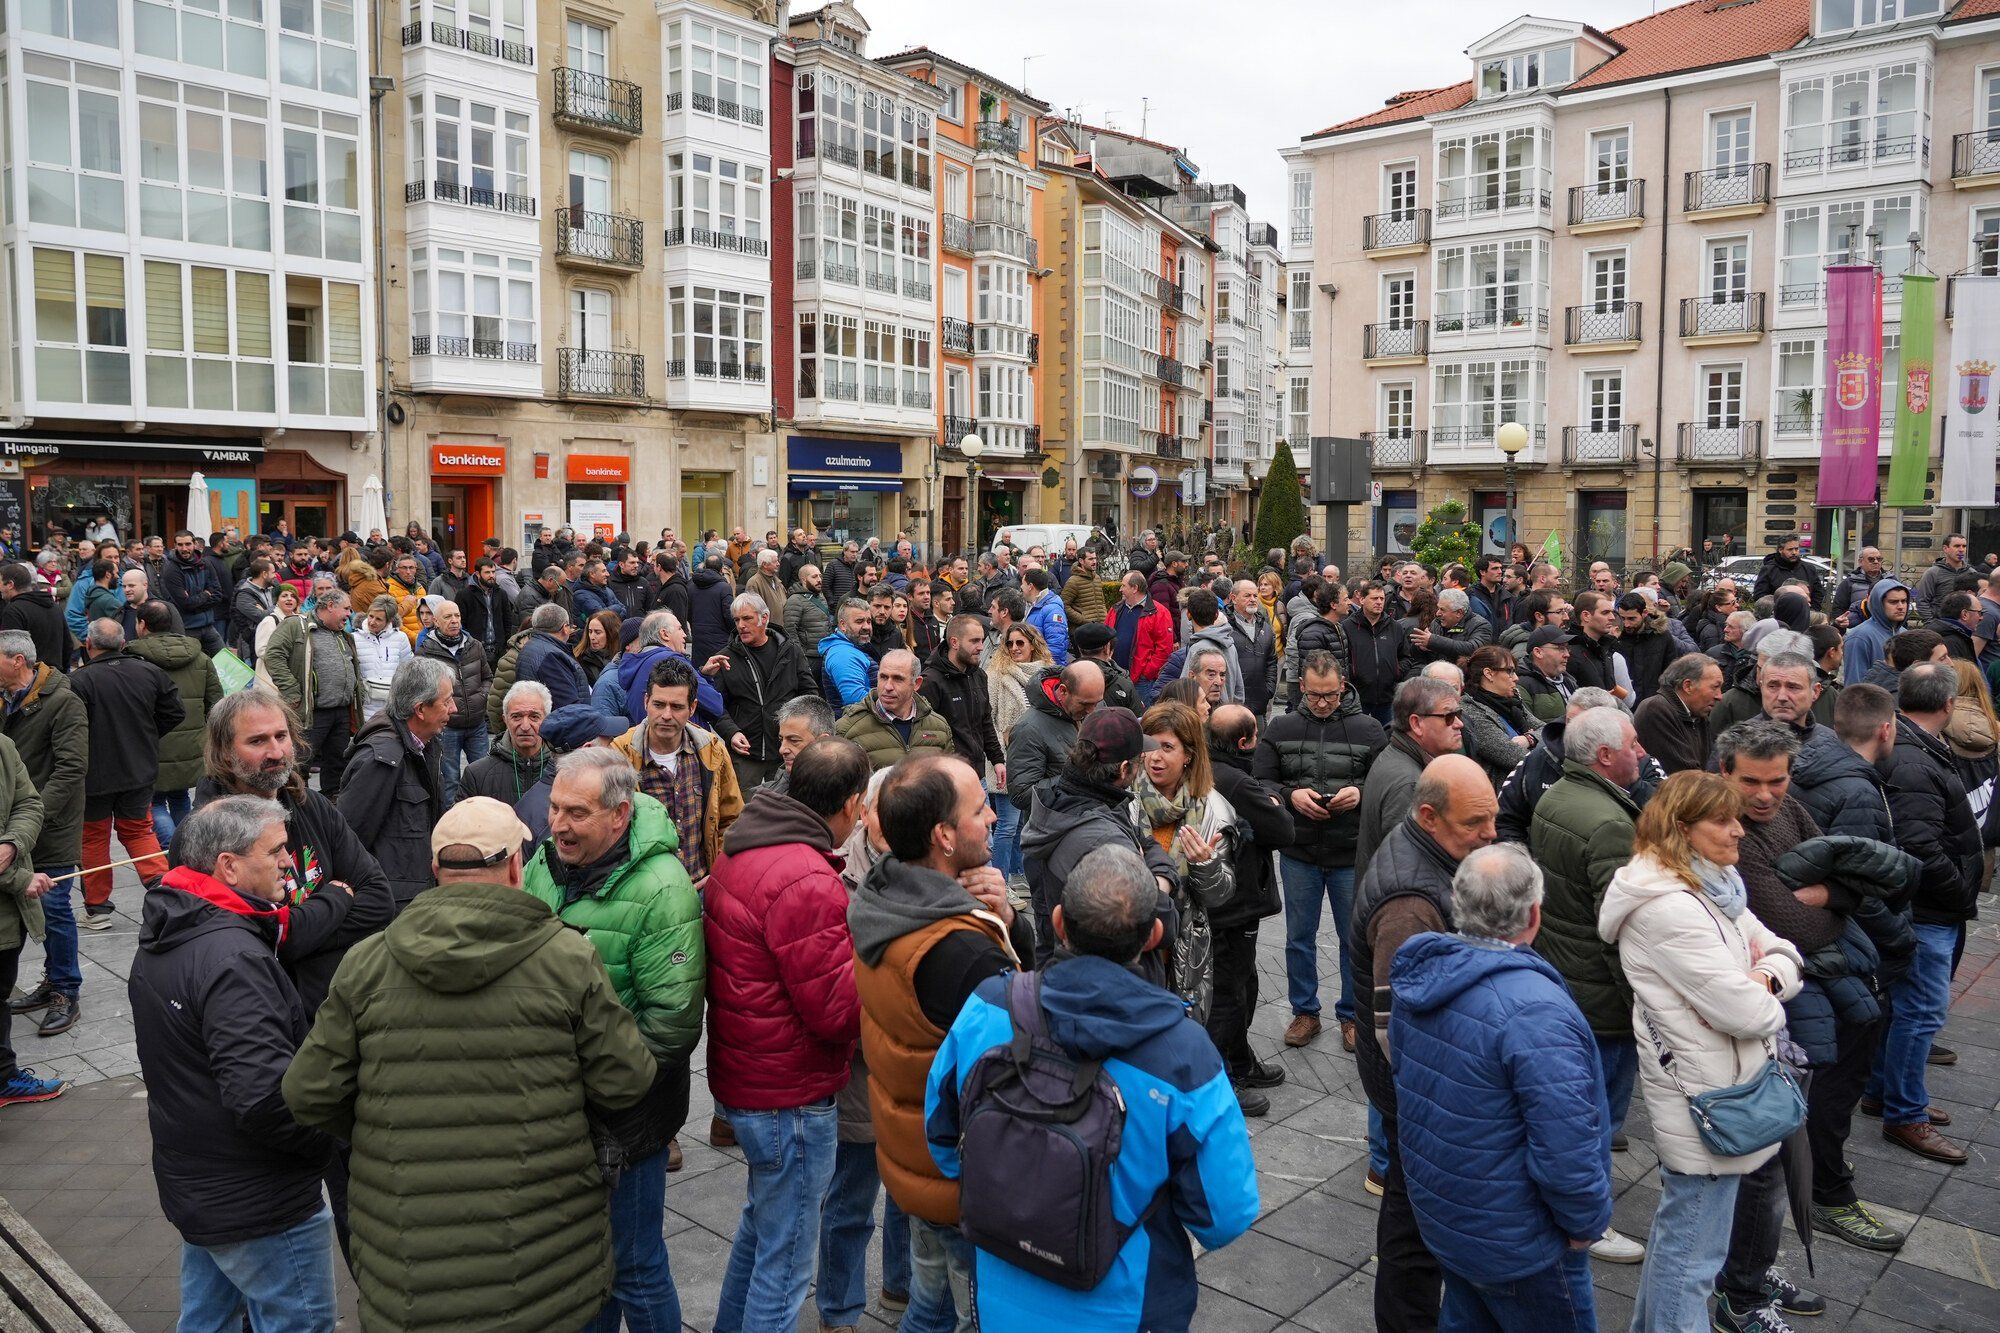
<point x="629" y="683"/>
<point x="1183" y="1135"/>
<point x="846" y="668"/>
<point x="1046" y="614"/>
<point x="547" y="659"/>
<point x="1506" y="1138"/>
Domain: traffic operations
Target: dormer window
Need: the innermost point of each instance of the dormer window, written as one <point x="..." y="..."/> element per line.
<point x="1848" y="15"/>
<point x="1525" y="70"/>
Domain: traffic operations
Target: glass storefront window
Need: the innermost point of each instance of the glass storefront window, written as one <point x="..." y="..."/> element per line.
<point x="74" y="505"/>
<point x="704" y="504"/>
<point x="838" y="516"/>
<point x="1601" y="527"/>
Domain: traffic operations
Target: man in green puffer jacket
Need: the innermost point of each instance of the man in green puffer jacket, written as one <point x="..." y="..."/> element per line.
<point x="21" y="890"/>
<point x="193" y="674"/>
<point x="610" y="869"/>
<point x="475" y="1195"/>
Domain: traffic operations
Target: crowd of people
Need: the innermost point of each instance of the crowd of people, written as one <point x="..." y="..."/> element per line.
<point x="959" y="870"/>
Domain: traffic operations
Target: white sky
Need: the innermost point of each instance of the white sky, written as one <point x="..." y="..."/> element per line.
<point x="1230" y="83"/>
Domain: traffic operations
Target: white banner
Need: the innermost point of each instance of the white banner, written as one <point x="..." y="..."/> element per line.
<point x="1971" y="458"/>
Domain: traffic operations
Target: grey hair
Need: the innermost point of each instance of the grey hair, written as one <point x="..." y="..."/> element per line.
<point x="1589" y="697"/>
<point x="1448" y="673"/>
<point x="1419" y="694"/>
<point x="548" y="618"/>
<point x="618" y="780"/>
<point x="1785" y="641"/>
<point x="916" y="663"/>
<point x="107" y="634"/>
<point x="1108" y="903"/>
<point x="1926" y="687"/>
<point x="387" y="606"/>
<point x="416" y="683"/>
<point x="1743" y="620"/>
<point x="1756" y="738"/>
<point x="1685" y="670"/>
<point x="754" y="602"/>
<point x="654" y="626"/>
<point x="814" y="711"/>
<point x="767" y="556"/>
<point x="1494" y="892"/>
<point x="1205" y="650"/>
<point x="1593" y="730"/>
<point x="1454" y="599"/>
<point x="533" y="689"/>
<point x="231" y="824"/>
<point x="18" y="643"/>
<point x="1786" y="661"/>
<point x="850" y="604"/>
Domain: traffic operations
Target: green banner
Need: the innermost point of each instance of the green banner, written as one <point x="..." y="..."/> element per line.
<point x="1910" y="457"/>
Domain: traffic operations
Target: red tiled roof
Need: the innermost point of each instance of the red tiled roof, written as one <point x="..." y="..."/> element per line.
<point x="1974" y="9"/>
<point x="1700" y="34"/>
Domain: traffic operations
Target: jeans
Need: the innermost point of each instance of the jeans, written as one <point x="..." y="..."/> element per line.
<point x="131" y="813"/>
<point x="1556" y="1300"/>
<point x="1306" y="887"/>
<point x="169" y="809"/>
<point x="1378" y="1143"/>
<point x="1755" y="1232"/>
<point x="940" y="1280"/>
<point x="791" y="1155"/>
<point x="1620" y="1058"/>
<point x="326" y="743"/>
<point x="844" y="1228"/>
<point x="59" y="962"/>
<point x="1831" y="1097"/>
<point x="642" y="1287"/>
<point x="1407" y="1280"/>
<point x="456" y="749"/>
<point x="286" y="1280"/>
<point x="1006" y="836"/>
<point x="1921" y="998"/>
<point x="1684" y="1251"/>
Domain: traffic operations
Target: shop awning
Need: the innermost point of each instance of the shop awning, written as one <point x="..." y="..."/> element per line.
<point x="209" y="452"/>
<point x="807" y="485"/>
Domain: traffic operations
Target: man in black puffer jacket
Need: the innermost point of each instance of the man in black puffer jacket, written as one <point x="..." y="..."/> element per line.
<point x="217" y="1022"/>
<point x="1317" y="758"/>
<point x="1934" y="823"/>
<point x="1232" y="744"/>
<point x="1378" y="649"/>
<point x="709" y="628"/>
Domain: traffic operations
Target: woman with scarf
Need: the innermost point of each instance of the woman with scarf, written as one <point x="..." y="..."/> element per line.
<point x="288" y="601"/>
<point x="1015" y="668"/>
<point x="1973" y="733"/>
<point x="597" y="647"/>
<point x="1174" y="801"/>
<point x="1708" y="981"/>
<point x="1499" y="729"/>
<point x="1271" y="599"/>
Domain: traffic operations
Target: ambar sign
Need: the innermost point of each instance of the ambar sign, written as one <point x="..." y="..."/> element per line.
<point x="483" y="459"/>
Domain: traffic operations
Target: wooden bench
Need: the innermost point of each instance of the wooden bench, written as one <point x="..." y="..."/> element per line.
<point x="39" y="1293"/>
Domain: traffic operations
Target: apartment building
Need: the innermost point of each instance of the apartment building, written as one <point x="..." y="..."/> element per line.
<point x="578" y="276"/>
<point x="1263" y="352"/>
<point x="184" y="197"/>
<point x="989" y="197"/>
<point x="856" y="281"/>
<point x="1617" y="239"/>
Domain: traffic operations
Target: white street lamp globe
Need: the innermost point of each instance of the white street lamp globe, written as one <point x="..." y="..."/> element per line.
<point x="1512" y="437"/>
<point x="972" y="446"/>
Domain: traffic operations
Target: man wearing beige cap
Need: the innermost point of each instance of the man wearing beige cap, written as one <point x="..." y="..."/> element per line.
<point x="449" y="1052"/>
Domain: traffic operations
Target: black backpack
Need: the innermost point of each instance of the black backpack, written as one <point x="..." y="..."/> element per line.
<point x="1039" y="1131"/>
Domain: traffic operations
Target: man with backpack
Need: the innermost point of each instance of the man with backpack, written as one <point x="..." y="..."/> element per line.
<point x="1079" y="1106"/>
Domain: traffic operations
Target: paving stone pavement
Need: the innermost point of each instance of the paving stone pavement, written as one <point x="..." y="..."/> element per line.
<point x="77" y="1168"/>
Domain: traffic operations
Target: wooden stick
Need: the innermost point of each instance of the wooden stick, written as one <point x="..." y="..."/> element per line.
<point x="129" y="861"/>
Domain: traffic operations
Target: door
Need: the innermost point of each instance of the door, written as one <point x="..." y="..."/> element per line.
<point x="589" y="182"/>
<point x="1611" y="162"/>
<point x="590" y="319"/>
<point x="1722" y="398"/>
<point x="1607" y="282"/>
<point x="1399" y="300"/>
<point x="1720" y="514"/>
<point x="1728" y="270"/>
<point x="588" y="51"/>
<point x="1402" y="192"/>
<point x="1729" y="143"/>
<point x="448" y="515"/>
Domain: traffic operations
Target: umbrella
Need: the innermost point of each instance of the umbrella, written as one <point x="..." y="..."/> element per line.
<point x="1796" y="1155"/>
<point x="373" y="515"/>
<point x="197" y="519"/>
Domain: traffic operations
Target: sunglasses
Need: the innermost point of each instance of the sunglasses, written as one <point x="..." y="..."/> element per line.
<point x="1455" y="715"/>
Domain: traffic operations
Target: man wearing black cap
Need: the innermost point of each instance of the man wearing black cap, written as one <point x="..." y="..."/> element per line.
<point x="1094" y="641"/>
<point x="1545" y="678"/>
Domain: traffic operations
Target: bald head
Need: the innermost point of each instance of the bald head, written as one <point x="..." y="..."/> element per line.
<point x="1454" y="803"/>
<point x="1233" y="727"/>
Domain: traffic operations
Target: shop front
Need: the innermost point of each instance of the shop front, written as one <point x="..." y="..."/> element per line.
<point x="465" y="482"/>
<point x="844" y="490"/>
<point x="594" y="493"/>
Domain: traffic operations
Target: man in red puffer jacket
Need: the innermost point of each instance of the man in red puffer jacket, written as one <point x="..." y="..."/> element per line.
<point x="1143" y="631"/>
<point x="783" y="1020"/>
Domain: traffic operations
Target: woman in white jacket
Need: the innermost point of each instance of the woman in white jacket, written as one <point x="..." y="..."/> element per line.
<point x="1707" y="983"/>
<point x="381" y="646"/>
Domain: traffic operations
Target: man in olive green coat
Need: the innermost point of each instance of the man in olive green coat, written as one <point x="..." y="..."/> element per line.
<point x="475" y="1198"/>
<point x="21" y="890"/>
<point x="193" y="673"/>
<point x="51" y="729"/>
<point x="893" y="721"/>
<point x="610" y="869"/>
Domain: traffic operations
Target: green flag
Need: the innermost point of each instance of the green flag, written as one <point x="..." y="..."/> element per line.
<point x="1910" y="457"/>
<point x="1552" y="551"/>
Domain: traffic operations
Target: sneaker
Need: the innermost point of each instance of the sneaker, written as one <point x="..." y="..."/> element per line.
<point x="1857" y="1226"/>
<point x="721" y="1134"/>
<point x="25" y="1087"/>
<point x="1941" y="1055"/>
<point x="1789" y="1296"/>
<point x="41" y="997"/>
<point x="1759" y="1319"/>
<point x="1923" y="1139"/>
<point x="1374" y="1183"/>
<point x="895" y="1300"/>
<point x="1303" y="1029"/>
<point x="95" y="918"/>
<point x="1252" y="1103"/>
<point x="1615" y="1247"/>
<point x="1937" y="1114"/>
<point x="61" y="1016"/>
<point x="1259" y="1075"/>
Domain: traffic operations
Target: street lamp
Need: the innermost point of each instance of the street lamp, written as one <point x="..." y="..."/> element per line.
<point x="972" y="447"/>
<point x="1512" y="437"/>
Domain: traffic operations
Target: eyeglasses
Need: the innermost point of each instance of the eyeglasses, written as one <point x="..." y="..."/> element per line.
<point x="1322" y="696"/>
<point x="1455" y="715"/>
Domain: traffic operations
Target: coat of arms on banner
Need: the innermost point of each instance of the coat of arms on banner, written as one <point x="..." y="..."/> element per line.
<point x="1917" y="392"/>
<point x="1851" y="376"/>
<point x="1975" y="386"/>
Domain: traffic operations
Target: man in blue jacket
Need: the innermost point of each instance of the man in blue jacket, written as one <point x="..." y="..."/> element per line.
<point x="1868" y="643"/>
<point x="1498" y="1086"/>
<point x="1046" y="614"/>
<point x="546" y="657"/>
<point x="1184" y="1141"/>
<point x="846" y="666"/>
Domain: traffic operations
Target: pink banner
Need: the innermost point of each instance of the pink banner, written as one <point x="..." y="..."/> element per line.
<point x="1850" y="445"/>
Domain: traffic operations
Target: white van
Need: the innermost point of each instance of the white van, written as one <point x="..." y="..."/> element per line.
<point x="1049" y="536"/>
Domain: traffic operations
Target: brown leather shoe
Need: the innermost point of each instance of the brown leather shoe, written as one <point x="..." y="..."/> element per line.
<point x="1347" y="1035"/>
<point x="1303" y="1029"/>
<point x="1938" y="1115"/>
<point x="720" y="1134"/>
<point x="1923" y="1139"/>
<point x="673" y="1155"/>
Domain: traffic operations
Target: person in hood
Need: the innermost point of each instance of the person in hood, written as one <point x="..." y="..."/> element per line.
<point x="193" y="674"/>
<point x="930" y="922"/>
<point x="1644" y="643"/>
<point x="1094" y="643"/>
<point x="1707" y="982"/>
<point x="216" y="1023"/>
<point x="199" y="587"/>
<point x="1855" y="586"/>
<point x="392" y="794"/>
<point x="957" y="690"/>
<point x="50" y="729"/>
<point x="784" y="1022"/>
<point x="1183" y="1168"/>
<point x="29" y="606"/>
<point x="661" y="634"/>
<point x="1206" y="629"/>
<point x="1497" y="1080"/>
<point x="1786" y="565"/>
<point x="708" y="610"/>
<point x="807" y="617"/>
<point x="132" y="704"/>
<point x="534" y="1021"/>
<point x="684" y="767"/>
